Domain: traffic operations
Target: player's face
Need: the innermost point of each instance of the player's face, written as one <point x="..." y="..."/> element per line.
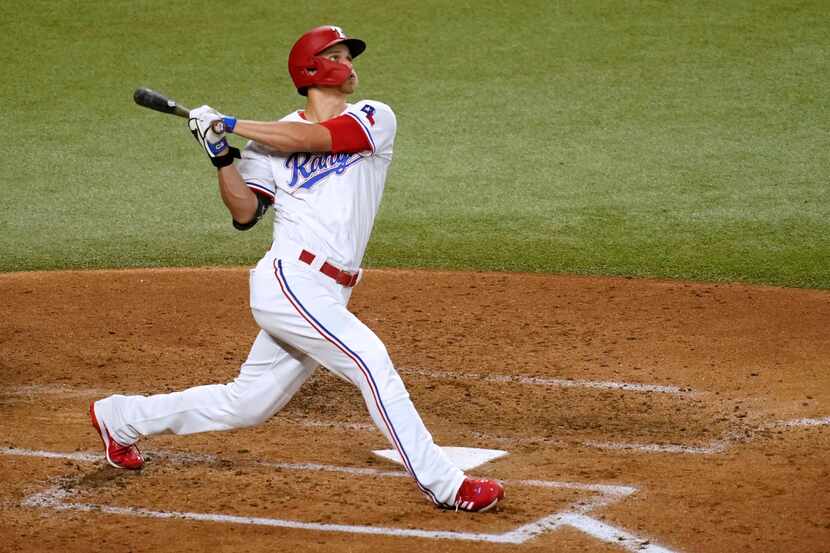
<point x="339" y="53"/>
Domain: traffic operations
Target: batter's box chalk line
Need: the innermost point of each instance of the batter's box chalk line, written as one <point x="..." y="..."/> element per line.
<point x="575" y="515"/>
<point x="554" y="382"/>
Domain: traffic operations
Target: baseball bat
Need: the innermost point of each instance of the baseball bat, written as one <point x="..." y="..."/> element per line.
<point x="151" y="99"/>
<point x="157" y="101"/>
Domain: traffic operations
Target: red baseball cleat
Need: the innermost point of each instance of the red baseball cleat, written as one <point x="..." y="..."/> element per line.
<point x="478" y="495"/>
<point x="119" y="456"/>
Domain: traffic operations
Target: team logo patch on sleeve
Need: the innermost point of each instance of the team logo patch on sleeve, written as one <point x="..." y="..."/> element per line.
<point x="370" y="113"/>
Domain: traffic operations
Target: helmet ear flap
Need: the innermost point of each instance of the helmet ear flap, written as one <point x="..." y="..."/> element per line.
<point x="314" y="66"/>
<point x="304" y="74"/>
<point x="327" y="72"/>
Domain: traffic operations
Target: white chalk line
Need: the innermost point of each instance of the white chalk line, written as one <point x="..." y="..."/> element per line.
<point x="611" y="534"/>
<point x="716" y="446"/>
<point x="21" y="394"/>
<point x="75" y="456"/>
<point x="312" y="423"/>
<point x="90" y="457"/>
<point x="555" y="382"/>
<point x="802" y="423"/>
<point x="719" y="445"/>
<point x="48" y="389"/>
<point x="54" y="499"/>
<point x="575" y="515"/>
<point x="68" y="391"/>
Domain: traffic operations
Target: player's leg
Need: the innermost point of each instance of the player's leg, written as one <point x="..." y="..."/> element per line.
<point x="270" y="376"/>
<point x="326" y="330"/>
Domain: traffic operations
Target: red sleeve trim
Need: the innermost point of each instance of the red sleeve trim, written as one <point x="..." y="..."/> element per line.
<point x="260" y="191"/>
<point x="347" y="135"/>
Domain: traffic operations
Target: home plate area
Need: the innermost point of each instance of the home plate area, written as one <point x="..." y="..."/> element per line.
<point x="323" y="498"/>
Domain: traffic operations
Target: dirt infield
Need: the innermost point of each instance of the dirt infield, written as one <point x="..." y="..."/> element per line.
<point x="639" y="415"/>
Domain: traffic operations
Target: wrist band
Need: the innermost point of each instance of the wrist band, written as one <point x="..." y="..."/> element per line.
<point x="230" y="123"/>
<point x="217" y="147"/>
<point x="227" y="159"/>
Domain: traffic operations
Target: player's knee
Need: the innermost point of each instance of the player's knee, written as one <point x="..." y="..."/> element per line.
<point x="379" y="364"/>
<point x="247" y="409"/>
<point x="375" y="356"/>
<point x="383" y="373"/>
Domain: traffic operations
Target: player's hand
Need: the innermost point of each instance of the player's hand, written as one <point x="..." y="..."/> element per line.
<point x="202" y="124"/>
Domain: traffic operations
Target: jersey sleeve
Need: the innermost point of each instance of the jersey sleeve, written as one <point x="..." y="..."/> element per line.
<point x="255" y="169"/>
<point x="347" y="135"/>
<point x="378" y="123"/>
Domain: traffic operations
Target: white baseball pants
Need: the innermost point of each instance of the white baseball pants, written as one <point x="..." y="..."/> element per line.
<point x="305" y="323"/>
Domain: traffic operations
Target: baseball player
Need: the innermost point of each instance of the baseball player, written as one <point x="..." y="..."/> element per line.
<point x="322" y="170"/>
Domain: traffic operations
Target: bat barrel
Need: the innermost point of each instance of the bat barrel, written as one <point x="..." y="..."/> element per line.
<point x="157" y="101"/>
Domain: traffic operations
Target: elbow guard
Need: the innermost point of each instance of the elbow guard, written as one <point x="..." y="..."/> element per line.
<point x="261" y="208"/>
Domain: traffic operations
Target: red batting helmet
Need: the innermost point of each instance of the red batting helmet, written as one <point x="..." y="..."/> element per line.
<point x="308" y="69"/>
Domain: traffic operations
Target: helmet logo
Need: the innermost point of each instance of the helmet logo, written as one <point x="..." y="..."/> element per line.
<point x="339" y="31"/>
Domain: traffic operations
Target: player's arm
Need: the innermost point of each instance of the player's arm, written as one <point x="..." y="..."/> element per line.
<point x="284" y="136"/>
<point x="245" y="206"/>
<point x="340" y="134"/>
<point x="240" y="200"/>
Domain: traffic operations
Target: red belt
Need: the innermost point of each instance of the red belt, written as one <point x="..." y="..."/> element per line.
<point x="343" y="278"/>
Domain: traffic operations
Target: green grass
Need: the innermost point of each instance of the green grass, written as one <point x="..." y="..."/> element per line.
<point x="668" y="139"/>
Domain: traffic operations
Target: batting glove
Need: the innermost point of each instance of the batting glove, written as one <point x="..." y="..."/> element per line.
<point x="208" y="128"/>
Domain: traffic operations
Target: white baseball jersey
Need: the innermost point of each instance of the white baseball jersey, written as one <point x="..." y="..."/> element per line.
<point x="326" y="202"/>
